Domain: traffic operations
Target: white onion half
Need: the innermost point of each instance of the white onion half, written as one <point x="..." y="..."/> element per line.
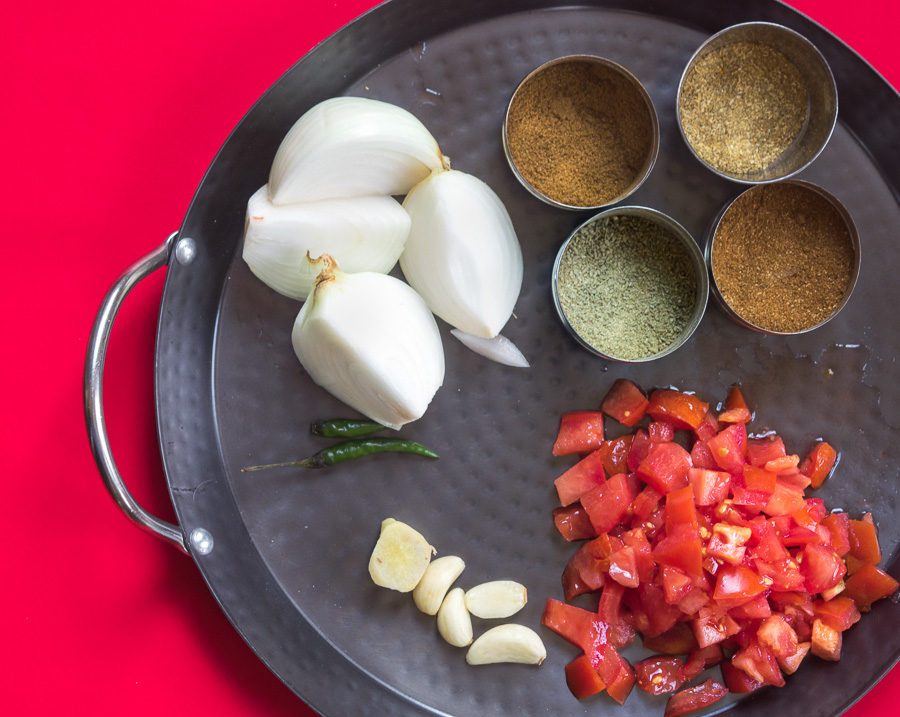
<point x="462" y="254"/>
<point x="361" y="234"/>
<point x="370" y="340"/>
<point x="352" y="147"/>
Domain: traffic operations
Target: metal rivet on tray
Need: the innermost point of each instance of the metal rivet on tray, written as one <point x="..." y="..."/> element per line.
<point x="186" y="251"/>
<point x="202" y="541"/>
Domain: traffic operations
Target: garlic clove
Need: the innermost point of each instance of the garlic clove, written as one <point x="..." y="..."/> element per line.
<point x="453" y="620"/>
<point x="362" y="234"/>
<point x="507" y="643"/>
<point x="370" y="340"/>
<point x="440" y="575"/>
<point x="352" y="147"/>
<point x="400" y="557"/>
<point x="496" y="599"/>
<point x="462" y="254"/>
<point x="499" y="348"/>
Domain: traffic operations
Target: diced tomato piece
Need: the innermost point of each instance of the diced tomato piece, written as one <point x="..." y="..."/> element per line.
<point x="826" y="641"/>
<point x="839" y="613"/>
<point x="868" y="584"/>
<point x="684" y="411"/>
<point x="659" y="674"/>
<point x="864" y="541"/>
<point x="783" y="464"/>
<point x="762" y="450"/>
<point x="821" y="567"/>
<point x="661" y="616"/>
<point x="737" y="680"/>
<point x="573" y="522"/>
<point x="696" y="698"/>
<point x="637" y="540"/>
<point x="580" y="478"/>
<point x="728" y="543"/>
<point x="677" y="640"/>
<point x="582" y="679"/>
<point x="640" y="447"/>
<point x="728" y="448"/>
<point x="702" y="457"/>
<point x="614" y="454"/>
<point x="784" y="501"/>
<point x="607" y="503"/>
<point x="646" y="502"/>
<point x="623" y="567"/>
<point x="680" y="508"/>
<point x="759" y="663"/>
<point x="666" y="467"/>
<point x="759" y="479"/>
<point x="778" y="636"/>
<point x="838" y="525"/>
<point x="812" y="513"/>
<point x="707" y="428"/>
<point x="585" y="572"/>
<point x="625" y="402"/>
<point x="675" y="584"/>
<point x="710" y="486"/>
<point x="616" y="673"/>
<point x="699" y="660"/>
<point x="580" y="627"/>
<point x="736" y="410"/>
<point x="790" y="663"/>
<point x="756" y="609"/>
<point x="693" y="601"/>
<point x="736" y="584"/>
<point x="819" y="463"/>
<point x="681" y="549"/>
<point x="710" y="629"/>
<point x="579" y="432"/>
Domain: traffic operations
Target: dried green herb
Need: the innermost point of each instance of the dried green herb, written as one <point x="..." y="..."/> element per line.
<point x="627" y="286"/>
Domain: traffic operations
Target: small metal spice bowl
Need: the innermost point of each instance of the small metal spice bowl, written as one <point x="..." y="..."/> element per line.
<point x="630" y="284"/>
<point x="581" y="133"/>
<point x="756" y="103"/>
<point x="784" y="257"/>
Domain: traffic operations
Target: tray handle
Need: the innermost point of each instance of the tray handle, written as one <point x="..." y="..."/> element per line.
<point x="93" y="395"/>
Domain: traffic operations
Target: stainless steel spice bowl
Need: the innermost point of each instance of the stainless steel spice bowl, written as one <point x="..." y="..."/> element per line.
<point x="794" y="234"/>
<point x="581" y="133"/>
<point x="649" y="269"/>
<point x="757" y="103"/>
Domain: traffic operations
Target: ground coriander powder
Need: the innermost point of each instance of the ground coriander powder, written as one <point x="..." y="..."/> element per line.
<point x="580" y="132"/>
<point x="741" y="106"/>
<point x="627" y="286"/>
<point x="783" y="257"/>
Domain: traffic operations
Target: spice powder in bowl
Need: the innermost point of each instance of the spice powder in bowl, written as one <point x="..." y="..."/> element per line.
<point x="784" y="257"/>
<point x="581" y="132"/>
<point x="630" y="284"/>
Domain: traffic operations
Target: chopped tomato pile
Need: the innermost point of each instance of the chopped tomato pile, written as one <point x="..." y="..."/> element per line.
<point x="700" y="538"/>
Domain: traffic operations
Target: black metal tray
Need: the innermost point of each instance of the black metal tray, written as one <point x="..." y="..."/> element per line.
<point x="288" y="562"/>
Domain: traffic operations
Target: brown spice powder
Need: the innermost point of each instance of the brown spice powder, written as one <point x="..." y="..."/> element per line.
<point x="783" y="257"/>
<point x="741" y="106"/>
<point x="579" y="132"/>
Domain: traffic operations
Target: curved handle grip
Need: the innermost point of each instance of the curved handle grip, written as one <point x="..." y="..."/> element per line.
<point x="93" y="395"/>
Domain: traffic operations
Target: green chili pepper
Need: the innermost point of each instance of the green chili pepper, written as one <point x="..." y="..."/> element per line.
<point x="349" y="450"/>
<point x="345" y="427"/>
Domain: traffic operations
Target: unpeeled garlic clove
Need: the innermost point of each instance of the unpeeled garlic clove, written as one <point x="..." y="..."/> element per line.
<point x="462" y="254"/>
<point x="496" y="599"/>
<point x="453" y="620"/>
<point x="400" y="557"/>
<point x="370" y="340"/>
<point x="361" y="234"/>
<point x="433" y="587"/>
<point x="352" y="147"/>
<point x="507" y="643"/>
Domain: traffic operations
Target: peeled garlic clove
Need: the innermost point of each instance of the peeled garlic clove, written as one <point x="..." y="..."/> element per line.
<point x="496" y="599"/>
<point x="370" y="340"/>
<point x="400" y="557"/>
<point x="352" y="147"/>
<point x="361" y="234"/>
<point x="462" y="254"/>
<point x="507" y="643"/>
<point x="453" y="620"/>
<point x="499" y="348"/>
<point x="440" y="575"/>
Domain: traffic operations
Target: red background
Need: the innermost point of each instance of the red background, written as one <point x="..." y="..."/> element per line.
<point x="111" y="114"/>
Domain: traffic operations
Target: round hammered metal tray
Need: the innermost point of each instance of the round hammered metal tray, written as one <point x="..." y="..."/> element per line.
<point x="290" y="549"/>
